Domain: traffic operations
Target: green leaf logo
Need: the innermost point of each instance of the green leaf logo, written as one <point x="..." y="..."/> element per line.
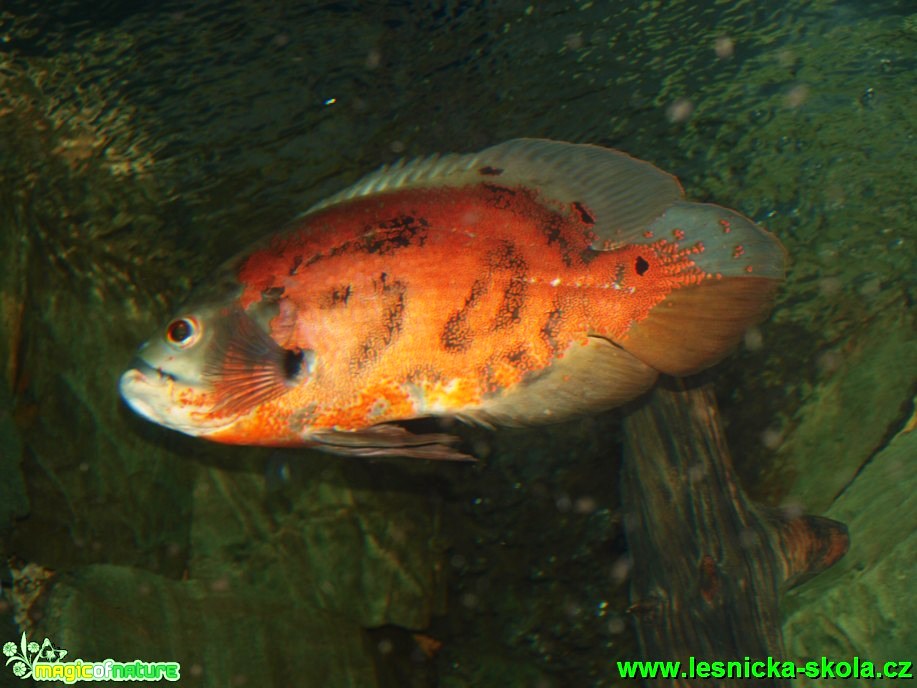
<point x="24" y="657"/>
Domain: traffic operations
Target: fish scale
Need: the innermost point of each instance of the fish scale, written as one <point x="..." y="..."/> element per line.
<point x="530" y="282"/>
<point x="510" y="256"/>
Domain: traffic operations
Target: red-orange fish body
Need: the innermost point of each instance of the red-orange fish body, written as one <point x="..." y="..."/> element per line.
<point x="482" y="295"/>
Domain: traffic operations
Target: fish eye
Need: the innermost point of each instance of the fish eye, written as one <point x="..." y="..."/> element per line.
<point x="183" y="332"/>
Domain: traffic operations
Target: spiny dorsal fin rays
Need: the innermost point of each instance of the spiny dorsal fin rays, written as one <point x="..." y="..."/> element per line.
<point x="623" y="194"/>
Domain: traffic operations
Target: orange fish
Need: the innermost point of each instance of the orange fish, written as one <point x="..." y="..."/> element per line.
<point x="524" y="284"/>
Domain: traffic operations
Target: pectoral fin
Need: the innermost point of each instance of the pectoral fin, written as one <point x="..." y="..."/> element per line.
<point x="390" y="440"/>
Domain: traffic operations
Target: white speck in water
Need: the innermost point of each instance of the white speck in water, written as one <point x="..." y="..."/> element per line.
<point x="680" y="110"/>
<point x="754" y="340"/>
<point x="725" y="47"/>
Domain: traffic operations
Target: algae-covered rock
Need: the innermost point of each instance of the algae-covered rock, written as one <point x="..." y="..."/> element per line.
<point x="14" y="502"/>
<point x="866" y="606"/>
<point x="852" y="412"/>
<point x="352" y="538"/>
<point x="221" y="637"/>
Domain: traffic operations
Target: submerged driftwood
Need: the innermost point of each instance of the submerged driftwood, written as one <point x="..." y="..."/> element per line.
<point x="708" y="565"/>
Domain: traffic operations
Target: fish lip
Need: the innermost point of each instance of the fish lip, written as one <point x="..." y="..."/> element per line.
<point x="146" y="389"/>
<point x="150" y="373"/>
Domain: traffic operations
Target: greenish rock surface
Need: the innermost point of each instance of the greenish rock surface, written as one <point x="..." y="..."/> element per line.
<point x="352" y="539"/>
<point x="221" y="638"/>
<point x="852" y="412"/>
<point x="865" y="607"/>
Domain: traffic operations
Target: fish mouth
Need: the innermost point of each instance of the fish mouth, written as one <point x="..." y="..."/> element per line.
<point x="139" y="384"/>
<point x="148" y="391"/>
<point x="149" y="372"/>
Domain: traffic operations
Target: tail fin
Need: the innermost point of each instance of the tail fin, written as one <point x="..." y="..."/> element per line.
<point x="696" y="326"/>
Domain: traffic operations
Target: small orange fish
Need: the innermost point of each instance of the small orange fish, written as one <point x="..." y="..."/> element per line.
<point x="527" y="283"/>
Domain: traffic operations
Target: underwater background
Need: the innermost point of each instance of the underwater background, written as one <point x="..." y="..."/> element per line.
<point x="142" y="143"/>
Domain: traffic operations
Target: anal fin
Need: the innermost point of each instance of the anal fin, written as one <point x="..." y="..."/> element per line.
<point x="593" y="377"/>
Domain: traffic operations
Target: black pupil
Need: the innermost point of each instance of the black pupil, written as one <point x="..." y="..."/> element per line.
<point x="179" y="331"/>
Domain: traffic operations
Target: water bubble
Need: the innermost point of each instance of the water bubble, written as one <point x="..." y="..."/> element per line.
<point x="470" y="600"/>
<point x="620" y="570"/>
<point x="680" y="110"/>
<point x="748" y="538"/>
<point x="696" y="473"/>
<point x="754" y="339"/>
<point x="574" y="41"/>
<point x="772" y="438"/>
<point x="796" y="96"/>
<point x="829" y="286"/>
<point x="792" y="510"/>
<point x="724" y="47"/>
<point x="220" y="585"/>
<point x="829" y="361"/>
<point x="616" y="625"/>
<point x="870" y="287"/>
<point x="373" y="59"/>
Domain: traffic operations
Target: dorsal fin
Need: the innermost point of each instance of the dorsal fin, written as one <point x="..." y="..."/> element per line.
<point x="624" y="195"/>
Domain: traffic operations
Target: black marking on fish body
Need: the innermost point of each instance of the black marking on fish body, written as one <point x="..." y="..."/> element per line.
<point x="369" y="351"/>
<point x="393" y="316"/>
<point x="388" y="236"/>
<point x="551" y="327"/>
<point x="587" y="255"/>
<point x="456" y="335"/>
<point x="641" y="266"/>
<point x="584" y="214"/>
<point x="500" y="197"/>
<point x="519" y="356"/>
<point x="297" y="262"/>
<point x="507" y="259"/>
<point x="338" y="296"/>
<point x="490" y="171"/>
<point x="341" y="295"/>
<point x="383" y="238"/>
<point x="510" y="312"/>
<point x="554" y="233"/>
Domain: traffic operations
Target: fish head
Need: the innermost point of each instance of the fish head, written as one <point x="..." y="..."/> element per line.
<point x="167" y="382"/>
<point x="212" y="366"/>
